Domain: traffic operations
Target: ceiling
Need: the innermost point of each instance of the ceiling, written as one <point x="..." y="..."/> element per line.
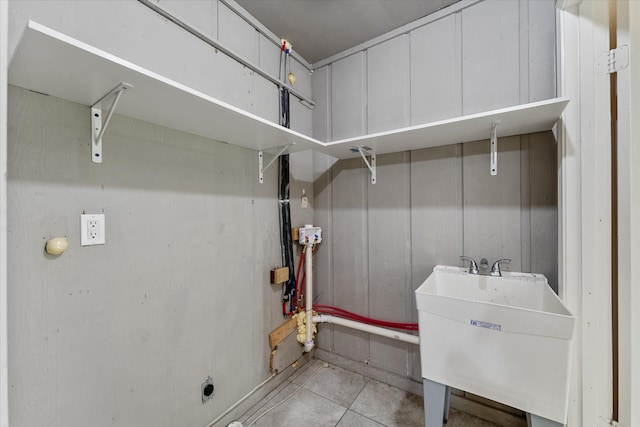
<point x="318" y="29"/>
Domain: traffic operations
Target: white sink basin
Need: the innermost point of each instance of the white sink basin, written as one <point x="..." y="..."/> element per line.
<point x="505" y="338"/>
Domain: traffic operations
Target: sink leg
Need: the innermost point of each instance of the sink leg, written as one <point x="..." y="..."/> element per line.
<point x="436" y="407"/>
<point x="536" y="421"/>
<point x="447" y="404"/>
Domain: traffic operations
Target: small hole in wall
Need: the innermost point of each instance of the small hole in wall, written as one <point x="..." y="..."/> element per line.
<point x="208" y="390"/>
<point x="97" y="115"/>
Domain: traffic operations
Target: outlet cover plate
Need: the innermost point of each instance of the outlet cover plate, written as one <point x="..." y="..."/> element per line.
<point x="92" y="229"/>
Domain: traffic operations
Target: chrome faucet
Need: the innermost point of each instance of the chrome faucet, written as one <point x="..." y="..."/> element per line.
<point x="495" y="268"/>
<point x="484" y="266"/>
<point x="473" y="266"/>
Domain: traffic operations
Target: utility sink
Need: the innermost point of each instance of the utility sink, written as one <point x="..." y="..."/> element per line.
<point x="505" y="338"/>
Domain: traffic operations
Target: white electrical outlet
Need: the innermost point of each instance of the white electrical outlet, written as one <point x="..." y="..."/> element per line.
<point x="92" y="229"/>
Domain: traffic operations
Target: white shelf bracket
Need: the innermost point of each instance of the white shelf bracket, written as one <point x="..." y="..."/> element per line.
<point x="494" y="148"/>
<point x="261" y="169"/>
<point x="97" y="125"/>
<point x="364" y="152"/>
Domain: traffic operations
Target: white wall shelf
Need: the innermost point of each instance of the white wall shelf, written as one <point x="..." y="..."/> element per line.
<point x="52" y="63"/>
<point x="518" y="120"/>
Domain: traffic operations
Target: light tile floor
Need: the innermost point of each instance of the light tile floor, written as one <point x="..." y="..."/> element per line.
<point x="322" y="395"/>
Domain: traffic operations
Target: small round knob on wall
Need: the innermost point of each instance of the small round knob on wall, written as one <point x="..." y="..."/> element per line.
<point x="57" y="245"/>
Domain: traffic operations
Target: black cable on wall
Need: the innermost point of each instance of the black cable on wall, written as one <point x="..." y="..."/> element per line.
<point x="286" y="237"/>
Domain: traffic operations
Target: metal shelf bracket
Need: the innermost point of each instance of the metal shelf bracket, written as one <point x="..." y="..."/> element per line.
<point x="494" y="148"/>
<point x="262" y="169"/>
<point x="364" y="152"/>
<point x="97" y="126"/>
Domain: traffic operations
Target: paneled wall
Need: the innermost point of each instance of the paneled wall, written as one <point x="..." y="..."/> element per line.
<point x="430" y="206"/>
<point x="135" y="33"/>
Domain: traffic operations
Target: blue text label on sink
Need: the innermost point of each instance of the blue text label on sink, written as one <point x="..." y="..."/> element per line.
<point x="486" y="325"/>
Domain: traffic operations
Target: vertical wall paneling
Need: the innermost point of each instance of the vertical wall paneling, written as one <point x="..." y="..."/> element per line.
<point x="490" y="57"/>
<point x="4" y="87"/>
<point x="457" y="71"/>
<point x="322" y="198"/>
<point x="237" y="35"/>
<point x="348" y="98"/>
<point x="117" y="28"/>
<point x="300" y="118"/>
<point x="629" y="211"/>
<point x="237" y="89"/>
<point x="436" y="217"/>
<point x="301" y="115"/>
<point x="388" y="85"/>
<point x="265" y="96"/>
<point x="492" y="223"/>
<point x="244" y="40"/>
<point x="321" y="89"/>
<point x="542" y="50"/>
<point x="268" y="56"/>
<point x="525" y="203"/>
<point x="389" y="259"/>
<point x="523" y="50"/>
<point x="200" y="15"/>
<point x="147" y="46"/>
<point x="323" y="258"/>
<point x="436" y="82"/>
<point x="350" y="252"/>
<point x="544" y="212"/>
<point x="303" y="77"/>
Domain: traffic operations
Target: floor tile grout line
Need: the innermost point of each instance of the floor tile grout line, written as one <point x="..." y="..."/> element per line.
<point x="296" y="376"/>
<point x="326" y="398"/>
<point x="369" y="418"/>
<point x="263" y="403"/>
<point x="359" y="392"/>
<point x="324" y="365"/>
<point x="329" y="366"/>
<point x="345" y="413"/>
<point x="272" y="397"/>
<point x="302" y="370"/>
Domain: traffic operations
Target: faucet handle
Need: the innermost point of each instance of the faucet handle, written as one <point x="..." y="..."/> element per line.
<point x="473" y="266"/>
<point x="495" y="268"/>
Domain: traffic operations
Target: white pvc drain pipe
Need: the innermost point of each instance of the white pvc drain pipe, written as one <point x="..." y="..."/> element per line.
<point x="372" y="329"/>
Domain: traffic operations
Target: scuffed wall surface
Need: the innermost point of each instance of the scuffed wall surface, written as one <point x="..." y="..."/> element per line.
<point x="125" y="333"/>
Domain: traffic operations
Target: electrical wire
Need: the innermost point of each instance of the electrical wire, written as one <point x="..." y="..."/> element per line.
<point x="286" y="240"/>
<point x="377" y="322"/>
<point x="335" y="311"/>
<point x="300" y="284"/>
<point x="326" y="309"/>
<point x="296" y="295"/>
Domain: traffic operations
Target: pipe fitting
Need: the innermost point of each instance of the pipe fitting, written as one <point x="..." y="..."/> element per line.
<point x="308" y="346"/>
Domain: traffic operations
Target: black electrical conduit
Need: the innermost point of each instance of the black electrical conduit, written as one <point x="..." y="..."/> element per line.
<point x="286" y="238"/>
<point x="226" y="51"/>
